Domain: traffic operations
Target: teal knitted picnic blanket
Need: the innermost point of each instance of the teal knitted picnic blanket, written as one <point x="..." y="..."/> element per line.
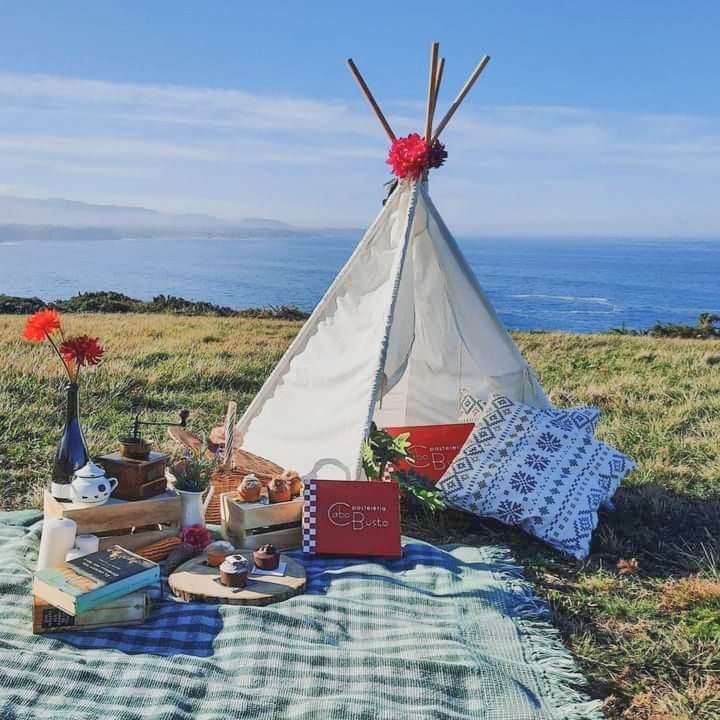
<point x="444" y="633"/>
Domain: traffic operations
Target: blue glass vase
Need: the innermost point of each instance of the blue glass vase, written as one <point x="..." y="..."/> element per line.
<point x="72" y="452"/>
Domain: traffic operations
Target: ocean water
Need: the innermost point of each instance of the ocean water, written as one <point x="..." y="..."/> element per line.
<point x="577" y="285"/>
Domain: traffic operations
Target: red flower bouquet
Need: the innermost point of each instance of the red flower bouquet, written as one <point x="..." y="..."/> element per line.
<point x="74" y="353"/>
<point x="411" y="156"/>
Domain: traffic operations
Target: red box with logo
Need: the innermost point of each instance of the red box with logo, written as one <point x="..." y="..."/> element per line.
<point x="434" y="447"/>
<point x="348" y="517"/>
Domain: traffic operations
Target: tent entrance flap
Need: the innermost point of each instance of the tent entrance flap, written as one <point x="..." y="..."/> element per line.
<point x="396" y="275"/>
<point x="318" y="402"/>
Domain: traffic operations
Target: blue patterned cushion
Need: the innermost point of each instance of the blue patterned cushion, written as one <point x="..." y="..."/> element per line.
<point x="582" y="418"/>
<point x="536" y="469"/>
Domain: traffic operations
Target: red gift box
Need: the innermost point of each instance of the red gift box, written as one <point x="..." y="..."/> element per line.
<point x="434" y="447"/>
<point x="348" y="517"/>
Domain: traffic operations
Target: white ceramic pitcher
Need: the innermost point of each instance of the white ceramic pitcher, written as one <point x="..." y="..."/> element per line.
<point x="193" y="506"/>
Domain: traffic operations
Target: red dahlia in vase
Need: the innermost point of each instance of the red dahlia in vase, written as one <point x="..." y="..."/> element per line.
<point x="74" y="353"/>
<point x="82" y="350"/>
<point x="41" y="325"/>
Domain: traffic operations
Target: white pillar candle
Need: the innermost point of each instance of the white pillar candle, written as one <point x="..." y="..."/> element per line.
<point x="58" y="536"/>
<point x="87" y="543"/>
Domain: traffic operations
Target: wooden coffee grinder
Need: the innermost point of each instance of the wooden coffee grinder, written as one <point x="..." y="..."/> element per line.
<point x="140" y="472"/>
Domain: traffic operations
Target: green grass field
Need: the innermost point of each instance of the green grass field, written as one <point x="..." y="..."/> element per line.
<point x="641" y="615"/>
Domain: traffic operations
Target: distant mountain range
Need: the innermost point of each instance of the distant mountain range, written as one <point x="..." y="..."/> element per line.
<point x="60" y="219"/>
<point x="72" y="213"/>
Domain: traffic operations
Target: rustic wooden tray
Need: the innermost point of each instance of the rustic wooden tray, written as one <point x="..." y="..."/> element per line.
<point x="195" y="580"/>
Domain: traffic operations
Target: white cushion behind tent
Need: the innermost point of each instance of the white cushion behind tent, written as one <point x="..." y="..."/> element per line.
<point x="402" y="331"/>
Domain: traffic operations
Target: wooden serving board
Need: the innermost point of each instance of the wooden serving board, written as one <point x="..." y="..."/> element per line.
<point x="196" y="580"/>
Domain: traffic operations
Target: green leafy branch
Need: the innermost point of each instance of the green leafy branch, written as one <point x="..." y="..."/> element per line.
<point x="382" y="449"/>
<point x="420" y="493"/>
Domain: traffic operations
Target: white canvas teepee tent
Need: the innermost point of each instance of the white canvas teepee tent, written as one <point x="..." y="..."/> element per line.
<point x="401" y="337"/>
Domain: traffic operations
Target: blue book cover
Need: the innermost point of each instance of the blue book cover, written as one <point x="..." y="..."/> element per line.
<point x="90" y="581"/>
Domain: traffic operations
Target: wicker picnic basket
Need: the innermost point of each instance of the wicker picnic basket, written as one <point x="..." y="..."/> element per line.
<point x="227" y="480"/>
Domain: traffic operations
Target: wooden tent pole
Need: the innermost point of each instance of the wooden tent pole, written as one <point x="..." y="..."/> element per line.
<point x="430" y="108"/>
<point x="369" y="97"/>
<point x="461" y="96"/>
<point x="438" y="80"/>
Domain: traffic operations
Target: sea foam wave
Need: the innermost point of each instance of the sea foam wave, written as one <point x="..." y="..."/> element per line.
<point x="567" y="298"/>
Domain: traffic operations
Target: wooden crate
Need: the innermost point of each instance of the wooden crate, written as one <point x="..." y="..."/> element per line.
<point x="250" y="525"/>
<point x="130" y="524"/>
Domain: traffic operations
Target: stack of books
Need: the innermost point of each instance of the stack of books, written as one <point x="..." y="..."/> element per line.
<point x="109" y="587"/>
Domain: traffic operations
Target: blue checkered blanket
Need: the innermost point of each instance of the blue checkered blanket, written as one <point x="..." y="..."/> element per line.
<point x="442" y="634"/>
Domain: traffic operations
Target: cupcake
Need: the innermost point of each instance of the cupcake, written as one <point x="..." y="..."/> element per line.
<point x="279" y="490"/>
<point x="295" y="481"/>
<point x="217" y="552"/>
<point x="249" y="489"/>
<point x="234" y="571"/>
<point x="267" y="557"/>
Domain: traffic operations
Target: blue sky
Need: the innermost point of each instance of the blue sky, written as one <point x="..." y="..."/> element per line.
<point x="591" y="119"/>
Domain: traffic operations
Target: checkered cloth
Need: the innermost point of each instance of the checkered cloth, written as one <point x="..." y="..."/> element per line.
<point x="309" y="522"/>
<point x="443" y="634"/>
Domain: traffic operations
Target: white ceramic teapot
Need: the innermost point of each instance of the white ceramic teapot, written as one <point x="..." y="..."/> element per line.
<point x="90" y="485"/>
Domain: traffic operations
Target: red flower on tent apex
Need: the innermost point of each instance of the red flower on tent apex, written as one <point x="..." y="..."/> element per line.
<point x="411" y="156"/>
<point x="82" y="350"/>
<point x="41" y="324"/>
<point x="408" y="156"/>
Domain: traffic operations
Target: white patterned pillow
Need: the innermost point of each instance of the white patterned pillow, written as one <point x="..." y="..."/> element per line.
<point x="582" y="418"/>
<point x="527" y="467"/>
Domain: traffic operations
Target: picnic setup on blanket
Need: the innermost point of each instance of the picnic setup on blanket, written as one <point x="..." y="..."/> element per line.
<point x="261" y="572"/>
